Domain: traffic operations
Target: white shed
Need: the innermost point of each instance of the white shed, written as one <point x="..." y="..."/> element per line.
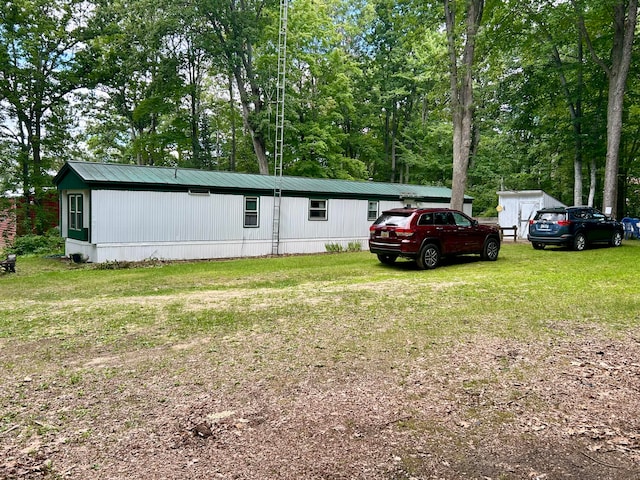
<point x="516" y="208"/>
<point x="117" y="212"/>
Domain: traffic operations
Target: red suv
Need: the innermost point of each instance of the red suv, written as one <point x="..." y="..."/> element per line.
<point x="426" y="235"/>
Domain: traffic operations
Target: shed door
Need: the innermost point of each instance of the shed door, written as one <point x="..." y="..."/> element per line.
<point x="527" y="211"/>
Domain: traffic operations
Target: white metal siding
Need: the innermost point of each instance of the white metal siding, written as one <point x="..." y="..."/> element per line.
<point x="518" y="208"/>
<point x="345" y="218"/>
<point x="140" y="225"/>
<point x="134" y="217"/>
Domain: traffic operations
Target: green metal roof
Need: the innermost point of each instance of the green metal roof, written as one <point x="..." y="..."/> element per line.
<point x="113" y="175"/>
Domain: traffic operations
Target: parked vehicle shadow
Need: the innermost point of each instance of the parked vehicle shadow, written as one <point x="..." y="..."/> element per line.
<point x="411" y="265"/>
<point x="564" y="248"/>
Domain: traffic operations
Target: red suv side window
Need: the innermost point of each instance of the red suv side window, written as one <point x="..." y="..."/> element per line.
<point x="461" y="220"/>
<point x="426" y="219"/>
<point x="442" y="218"/>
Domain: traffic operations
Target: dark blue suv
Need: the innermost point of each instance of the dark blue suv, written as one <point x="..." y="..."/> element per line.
<point x="574" y="227"/>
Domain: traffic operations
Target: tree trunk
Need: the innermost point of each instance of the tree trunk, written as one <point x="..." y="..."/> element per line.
<point x="388" y="158"/>
<point x="592" y="182"/>
<point x="232" y="110"/>
<point x="195" y="93"/>
<point x="624" y="23"/>
<point x="462" y="94"/>
<point x="23" y="155"/>
<point x="394" y="160"/>
<point x="577" y="177"/>
<point x="259" y="146"/>
<point x="577" y="130"/>
<point x="195" y="127"/>
<point x="614" y="131"/>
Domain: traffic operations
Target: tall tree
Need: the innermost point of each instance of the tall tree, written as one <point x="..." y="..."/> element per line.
<point x="186" y="44"/>
<point x="461" y="78"/>
<point x="557" y="27"/>
<point x="236" y="34"/>
<point x="141" y="90"/>
<point x="44" y="56"/>
<point x="320" y="110"/>
<point x="624" y="19"/>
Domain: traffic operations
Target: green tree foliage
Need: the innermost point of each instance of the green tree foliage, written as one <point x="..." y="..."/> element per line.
<point x="404" y="61"/>
<point x="547" y="101"/>
<point x="368" y="94"/>
<point x="137" y="106"/>
<point x="321" y="109"/>
<point x="45" y="56"/>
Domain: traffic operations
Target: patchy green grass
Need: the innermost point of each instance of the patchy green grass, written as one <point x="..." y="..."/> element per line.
<point x="339" y="345"/>
<point x="317" y="309"/>
<point x="524" y="293"/>
<point x="340" y="305"/>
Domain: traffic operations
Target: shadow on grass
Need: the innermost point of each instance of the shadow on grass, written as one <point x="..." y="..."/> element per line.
<point x="565" y="248"/>
<point x="410" y="265"/>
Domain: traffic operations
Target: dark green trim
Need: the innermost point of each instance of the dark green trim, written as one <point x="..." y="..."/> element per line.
<point x="72" y="181"/>
<point x="82" y="235"/>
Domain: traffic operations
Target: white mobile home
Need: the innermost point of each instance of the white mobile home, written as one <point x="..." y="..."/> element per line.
<point x="122" y="212"/>
<point x="516" y="208"/>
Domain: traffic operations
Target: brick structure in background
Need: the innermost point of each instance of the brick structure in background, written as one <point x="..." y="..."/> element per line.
<point x="12" y="212"/>
<point x="7" y="221"/>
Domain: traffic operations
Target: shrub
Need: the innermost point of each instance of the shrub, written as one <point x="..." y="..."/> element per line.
<point x="337" y="248"/>
<point x="51" y="243"/>
<point x="333" y="247"/>
<point x="354" y="247"/>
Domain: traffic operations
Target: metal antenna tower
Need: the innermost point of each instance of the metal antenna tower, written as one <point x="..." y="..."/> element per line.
<point x="277" y="170"/>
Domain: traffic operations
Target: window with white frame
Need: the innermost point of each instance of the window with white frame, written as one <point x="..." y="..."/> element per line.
<point x="251" y="217"/>
<point x="75" y="212"/>
<point x="372" y="211"/>
<point x="317" y="209"/>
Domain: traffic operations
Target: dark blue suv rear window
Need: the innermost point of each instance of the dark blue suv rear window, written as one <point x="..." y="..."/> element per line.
<point x="550" y="216"/>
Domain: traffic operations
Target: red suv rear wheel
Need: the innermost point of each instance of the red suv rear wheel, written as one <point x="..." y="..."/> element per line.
<point x="429" y="257"/>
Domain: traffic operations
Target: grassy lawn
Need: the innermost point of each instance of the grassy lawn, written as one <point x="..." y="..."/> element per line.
<point x="72" y="336"/>
<point x="524" y="294"/>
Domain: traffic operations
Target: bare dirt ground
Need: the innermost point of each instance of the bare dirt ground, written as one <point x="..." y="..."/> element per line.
<point x="316" y="401"/>
<point x="482" y="409"/>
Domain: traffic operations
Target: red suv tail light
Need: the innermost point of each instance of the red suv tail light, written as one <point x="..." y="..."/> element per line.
<point x="403" y="232"/>
<point x="564" y="223"/>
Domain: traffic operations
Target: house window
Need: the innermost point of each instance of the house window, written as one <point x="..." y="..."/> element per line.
<point x="75" y="212"/>
<point x="317" y="209"/>
<point x="251" y="212"/>
<point x="372" y="212"/>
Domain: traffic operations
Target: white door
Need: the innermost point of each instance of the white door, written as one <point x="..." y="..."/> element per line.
<point x="526" y="213"/>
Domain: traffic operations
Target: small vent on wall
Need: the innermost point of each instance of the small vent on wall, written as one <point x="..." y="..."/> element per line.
<point x="199" y="191"/>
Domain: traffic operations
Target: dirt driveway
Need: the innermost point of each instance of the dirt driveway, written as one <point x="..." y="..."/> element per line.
<point x="271" y="400"/>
